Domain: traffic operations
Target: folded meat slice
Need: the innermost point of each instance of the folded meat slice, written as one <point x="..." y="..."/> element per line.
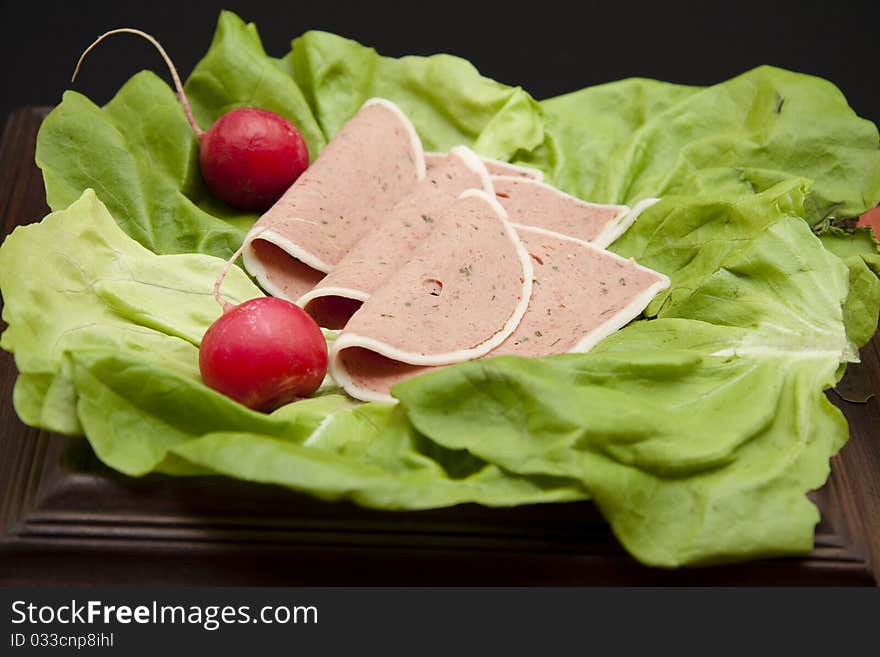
<point x="499" y="168"/>
<point x="494" y="167"/>
<point x="375" y="160"/>
<point x="460" y="295"/>
<point x="581" y="294"/>
<point x="538" y="205"/>
<point x="369" y="376"/>
<point x="379" y="254"/>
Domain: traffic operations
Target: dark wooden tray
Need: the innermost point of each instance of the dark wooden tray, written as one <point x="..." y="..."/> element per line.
<point x="67" y="519"/>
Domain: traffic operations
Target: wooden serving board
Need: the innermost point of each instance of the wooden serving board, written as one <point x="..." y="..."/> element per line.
<point x="66" y="519"/>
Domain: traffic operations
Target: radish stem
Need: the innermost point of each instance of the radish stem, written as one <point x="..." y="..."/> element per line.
<point x="177" y="84"/>
<point x="222" y="277"/>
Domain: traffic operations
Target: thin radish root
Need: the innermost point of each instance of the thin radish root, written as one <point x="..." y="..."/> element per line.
<point x="225" y="305"/>
<point x="177" y="84"/>
<point x="249" y="157"/>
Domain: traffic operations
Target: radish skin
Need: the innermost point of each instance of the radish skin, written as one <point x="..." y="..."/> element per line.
<point x="264" y="353"/>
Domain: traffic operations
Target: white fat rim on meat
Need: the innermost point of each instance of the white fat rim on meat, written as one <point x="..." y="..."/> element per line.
<point x="475" y="163"/>
<point x="339" y="374"/>
<point x="622" y="210"/>
<point x="622" y="223"/>
<point x="472" y="161"/>
<point x="533" y="174"/>
<point x="419" y="151"/>
<point x="433" y="155"/>
<point x="606" y="328"/>
<point x="331" y="291"/>
<point x="258" y="271"/>
<point x="256" y="268"/>
<point x="348" y="340"/>
<point x="623" y="316"/>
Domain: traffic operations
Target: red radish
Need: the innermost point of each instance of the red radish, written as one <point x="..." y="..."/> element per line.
<point x="249" y="157"/>
<point x="263" y="353"/>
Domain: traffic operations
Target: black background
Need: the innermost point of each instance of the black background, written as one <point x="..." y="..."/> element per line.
<point x="546" y="46"/>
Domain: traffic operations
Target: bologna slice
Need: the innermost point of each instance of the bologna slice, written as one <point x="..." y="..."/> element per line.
<point x="499" y="168"/>
<point x="375" y="160"/>
<point x="380" y="253"/>
<point x="581" y="294"/>
<point x="461" y="294"/>
<point x="494" y="167"/>
<point x="538" y="205"/>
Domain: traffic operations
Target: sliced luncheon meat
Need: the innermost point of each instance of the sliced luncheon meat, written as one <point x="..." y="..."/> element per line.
<point x="460" y="295"/>
<point x="494" y="167"/>
<point x="369" y="376"/>
<point x="375" y="160"/>
<point x="499" y="168"/>
<point x="279" y="273"/>
<point x="380" y="253"/>
<point x="581" y="294"/>
<point x="538" y="205"/>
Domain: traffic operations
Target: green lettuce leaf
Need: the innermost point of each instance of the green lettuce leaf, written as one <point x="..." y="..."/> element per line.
<point x="629" y="140"/>
<point x="141" y="157"/>
<point x="237" y="72"/>
<point x="699" y="433"/>
<point x="76" y="282"/>
<point x="860" y="309"/>
<point x="372" y="456"/>
<point x="444" y="96"/>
